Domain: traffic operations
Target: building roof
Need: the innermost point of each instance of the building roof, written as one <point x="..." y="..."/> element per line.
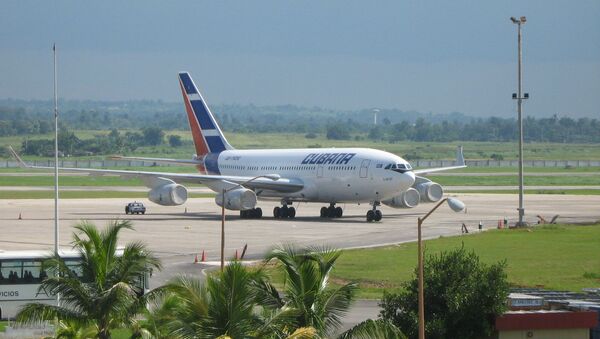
<point x="546" y="319"/>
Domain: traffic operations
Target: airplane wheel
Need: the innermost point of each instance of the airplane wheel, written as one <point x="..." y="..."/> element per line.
<point x="284" y="212"/>
<point x="258" y="213"/>
<point x="276" y="212"/>
<point x="370" y="215"/>
<point x="323" y="212"/>
<point x="378" y="215"/>
<point x="331" y="212"/>
<point x="338" y="212"/>
<point x="291" y="212"/>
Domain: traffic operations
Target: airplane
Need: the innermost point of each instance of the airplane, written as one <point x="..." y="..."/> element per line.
<point x="241" y="177"/>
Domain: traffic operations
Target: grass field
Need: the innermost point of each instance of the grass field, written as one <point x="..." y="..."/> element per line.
<point x="470" y="180"/>
<point x="557" y="191"/>
<point x="425" y="150"/>
<point x="560" y="257"/>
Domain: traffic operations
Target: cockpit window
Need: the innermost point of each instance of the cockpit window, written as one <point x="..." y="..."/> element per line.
<point x="401" y="168"/>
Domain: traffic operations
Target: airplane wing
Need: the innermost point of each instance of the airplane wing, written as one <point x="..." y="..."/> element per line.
<point x="460" y="163"/>
<point x="214" y="182"/>
<point x="159" y="160"/>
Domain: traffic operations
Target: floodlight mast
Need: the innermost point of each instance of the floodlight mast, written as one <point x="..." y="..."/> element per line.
<point x="519" y="97"/>
<point x="56" y="234"/>
<point x="56" y="237"/>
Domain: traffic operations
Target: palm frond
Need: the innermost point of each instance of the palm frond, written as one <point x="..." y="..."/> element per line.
<point x="373" y="329"/>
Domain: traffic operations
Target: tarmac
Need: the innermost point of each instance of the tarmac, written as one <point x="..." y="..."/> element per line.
<point x="179" y="234"/>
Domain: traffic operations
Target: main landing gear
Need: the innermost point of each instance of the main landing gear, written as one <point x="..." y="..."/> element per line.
<point x="255" y="213"/>
<point x="331" y="211"/>
<point x="284" y="211"/>
<point x="374" y="214"/>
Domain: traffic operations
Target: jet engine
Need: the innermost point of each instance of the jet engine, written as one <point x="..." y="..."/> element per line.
<point x="430" y="191"/>
<point x="170" y="194"/>
<point x="407" y="199"/>
<point x="239" y="199"/>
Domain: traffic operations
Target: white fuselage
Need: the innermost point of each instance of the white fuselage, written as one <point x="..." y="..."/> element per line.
<point x="328" y="174"/>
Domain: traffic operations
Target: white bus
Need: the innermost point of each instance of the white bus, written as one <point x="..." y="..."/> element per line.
<point x="21" y="274"/>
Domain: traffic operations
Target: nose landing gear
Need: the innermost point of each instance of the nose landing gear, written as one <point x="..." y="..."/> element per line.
<point x="331" y="211"/>
<point x="374" y="214"/>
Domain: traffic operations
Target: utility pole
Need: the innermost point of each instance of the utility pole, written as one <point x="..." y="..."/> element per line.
<point x="519" y="96"/>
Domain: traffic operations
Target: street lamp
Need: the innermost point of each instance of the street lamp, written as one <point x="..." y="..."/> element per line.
<point x="225" y="190"/>
<point x="457" y="206"/>
<point x="520" y="97"/>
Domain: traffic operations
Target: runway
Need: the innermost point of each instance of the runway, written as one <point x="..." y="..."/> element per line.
<point x="176" y="236"/>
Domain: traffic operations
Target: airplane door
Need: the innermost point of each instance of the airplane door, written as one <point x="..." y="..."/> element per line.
<point x="320" y="171"/>
<point x="364" y="168"/>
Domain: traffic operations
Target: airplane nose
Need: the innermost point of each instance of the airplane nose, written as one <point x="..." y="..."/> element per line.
<point x="407" y="179"/>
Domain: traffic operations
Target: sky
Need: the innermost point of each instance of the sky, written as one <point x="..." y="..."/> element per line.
<point x="428" y="56"/>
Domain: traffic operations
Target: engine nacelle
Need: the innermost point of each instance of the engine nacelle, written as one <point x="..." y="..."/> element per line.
<point x="239" y="199"/>
<point x="430" y="191"/>
<point x="407" y="199"/>
<point x="168" y="195"/>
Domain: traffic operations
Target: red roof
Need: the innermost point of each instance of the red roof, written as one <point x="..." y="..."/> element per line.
<point x="511" y="321"/>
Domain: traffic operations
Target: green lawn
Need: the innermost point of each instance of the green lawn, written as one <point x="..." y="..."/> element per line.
<point x="560" y="257"/>
<point x="561" y="192"/>
<point x="474" y="180"/>
<point x="425" y="150"/>
<point x="471" y="180"/>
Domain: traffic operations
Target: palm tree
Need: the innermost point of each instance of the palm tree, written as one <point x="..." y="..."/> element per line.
<point x="107" y="294"/>
<point x="306" y="277"/>
<point x="73" y="330"/>
<point x="233" y="303"/>
<point x="373" y="329"/>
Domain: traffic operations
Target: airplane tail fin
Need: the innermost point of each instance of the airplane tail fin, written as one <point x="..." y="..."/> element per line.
<point x="208" y="137"/>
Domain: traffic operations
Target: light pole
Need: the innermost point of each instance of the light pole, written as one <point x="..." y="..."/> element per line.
<point x="225" y="190"/>
<point x="520" y="97"/>
<point x="457" y="206"/>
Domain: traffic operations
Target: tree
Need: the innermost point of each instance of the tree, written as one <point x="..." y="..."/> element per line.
<point x="153" y="136"/>
<point x="107" y="294"/>
<point x="175" y="140"/>
<point x="306" y="277"/>
<point x="373" y="329"/>
<point x="462" y="297"/>
<point x="337" y="132"/>
<point x="236" y="303"/>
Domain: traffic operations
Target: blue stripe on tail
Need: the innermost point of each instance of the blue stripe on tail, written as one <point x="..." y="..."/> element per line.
<point x="215" y="144"/>
<point x="202" y="115"/>
<point x="187" y="83"/>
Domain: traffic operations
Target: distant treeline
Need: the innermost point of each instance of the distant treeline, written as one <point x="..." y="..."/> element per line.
<point x="111" y="143"/>
<point x="19" y="117"/>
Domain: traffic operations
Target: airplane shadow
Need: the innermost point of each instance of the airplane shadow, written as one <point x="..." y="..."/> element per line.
<point x="199" y="216"/>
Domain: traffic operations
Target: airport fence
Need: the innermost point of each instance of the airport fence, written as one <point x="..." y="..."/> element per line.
<point x="415" y="163"/>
